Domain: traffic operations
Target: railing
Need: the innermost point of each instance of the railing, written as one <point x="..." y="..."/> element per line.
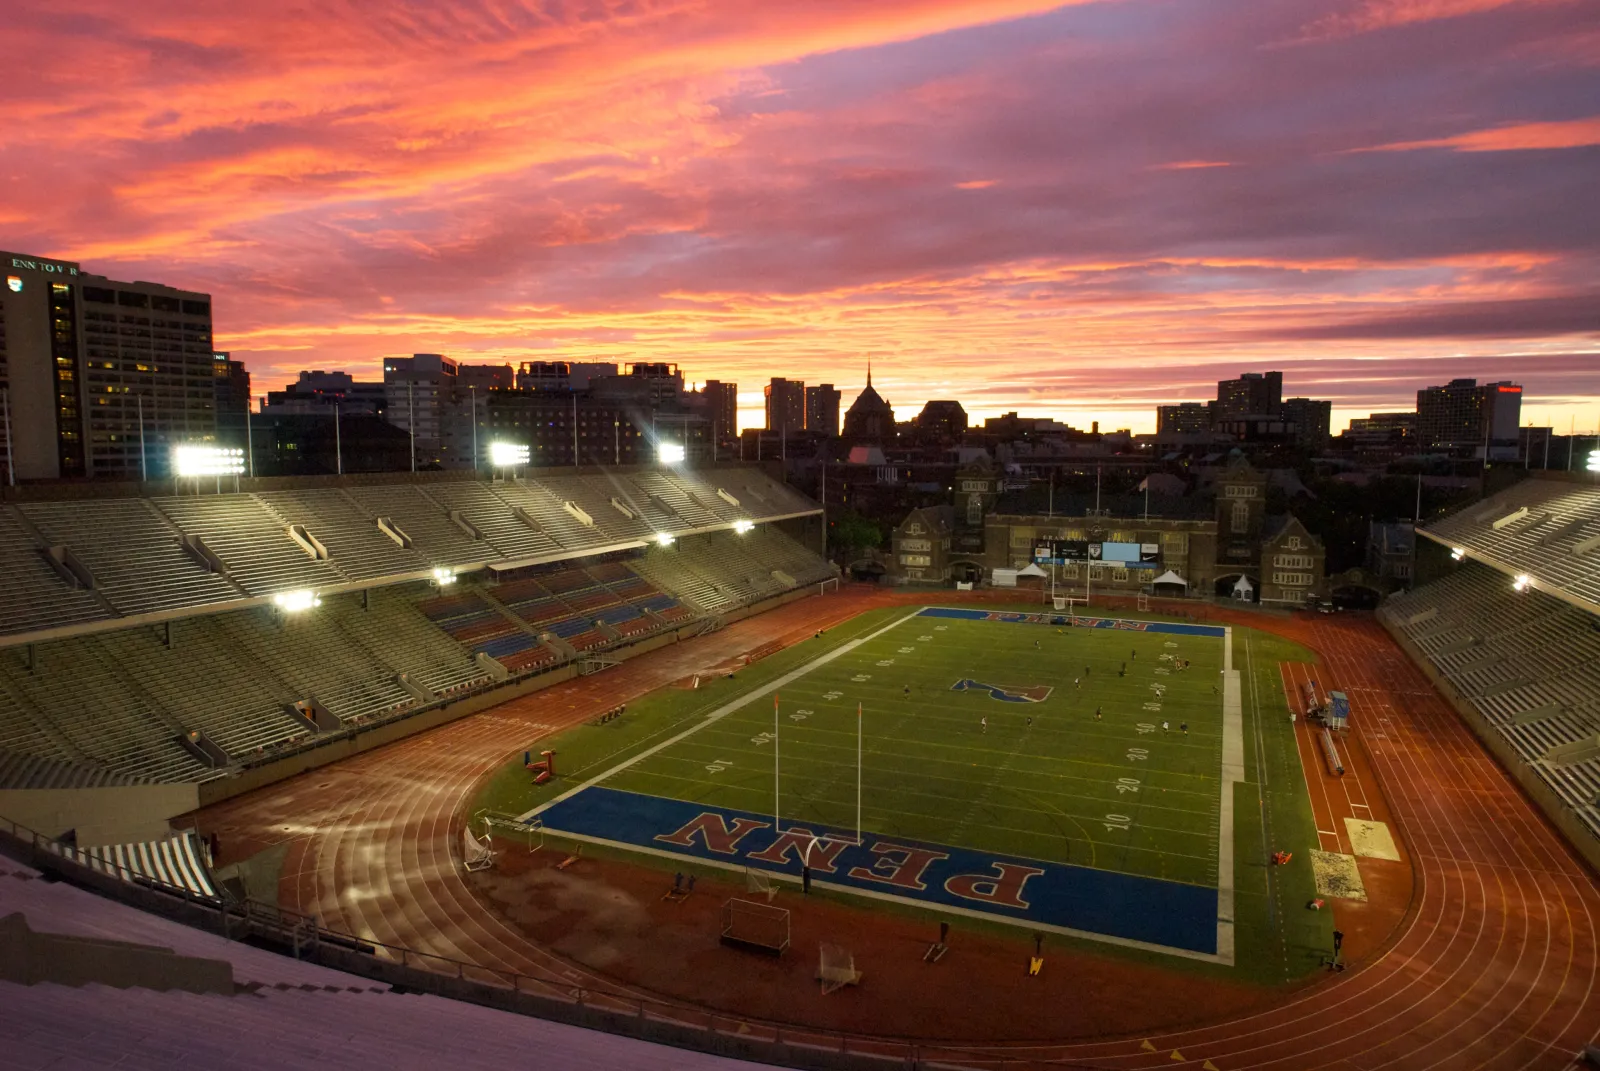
<point x="611" y="1008"/>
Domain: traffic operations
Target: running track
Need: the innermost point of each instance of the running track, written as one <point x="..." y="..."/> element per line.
<point x="1494" y="967"/>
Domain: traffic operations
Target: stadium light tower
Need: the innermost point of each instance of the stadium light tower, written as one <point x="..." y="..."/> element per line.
<point x="670" y="453"/>
<point x="504" y="455"/>
<point x="196" y="460"/>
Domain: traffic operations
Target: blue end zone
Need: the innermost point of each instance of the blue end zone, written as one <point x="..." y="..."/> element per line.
<point x="1024" y="891"/>
<point x="1075" y="621"/>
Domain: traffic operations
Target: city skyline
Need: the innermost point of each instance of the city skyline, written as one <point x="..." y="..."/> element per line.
<point x="951" y="189"/>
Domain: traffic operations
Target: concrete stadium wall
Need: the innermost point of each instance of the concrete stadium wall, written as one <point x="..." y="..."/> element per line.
<point x="394" y="967"/>
<point x="343" y="745"/>
<point x="28" y="957"/>
<point x="1560" y="815"/>
<point x="117" y="814"/>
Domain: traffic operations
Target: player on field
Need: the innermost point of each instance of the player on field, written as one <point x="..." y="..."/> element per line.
<point x="1164" y="727"/>
<point x="1096" y="713"/>
<point x="984" y="723"/>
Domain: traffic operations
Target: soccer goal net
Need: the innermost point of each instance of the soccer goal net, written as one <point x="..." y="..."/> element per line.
<point x="749" y="924"/>
<point x="1060" y="601"/>
<point x="836" y="968"/>
<point x="529" y="833"/>
<point x="758" y="884"/>
<point x="476" y="854"/>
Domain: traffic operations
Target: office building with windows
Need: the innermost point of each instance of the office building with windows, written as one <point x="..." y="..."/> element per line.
<point x="786" y="406"/>
<point x="722" y="408"/>
<point x="100" y="378"/>
<point x="822" y="410"/>
<point x="1464" y="415"/>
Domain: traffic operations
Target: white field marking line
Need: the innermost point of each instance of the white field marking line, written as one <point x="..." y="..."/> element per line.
<point x="720" y="713"/>
<point x="926" y="905"/>
<point x="1232" y="773"/>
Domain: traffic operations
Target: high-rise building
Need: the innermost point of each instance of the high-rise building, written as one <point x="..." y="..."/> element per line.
<point x="1312" y="419"/>
<point x="317" y="392"/>
<point x="786" y="406"/>
<point x="561" y="375"/>
<point x="1252" y="394"/>
<point x="417" y="392"/>
<point x="231" y="383"/>
<point x="822" y="410"/>
<point x="1183" y="417"/>
<point x="722" y="407"/>
<point x="1462" y="414"/>
<point x="101" y="378"/>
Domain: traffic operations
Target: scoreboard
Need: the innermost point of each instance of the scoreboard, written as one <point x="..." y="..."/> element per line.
<point x="1078" y="551"/>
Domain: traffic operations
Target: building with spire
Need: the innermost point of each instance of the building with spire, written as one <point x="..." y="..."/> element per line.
<point x="870" y="418"/>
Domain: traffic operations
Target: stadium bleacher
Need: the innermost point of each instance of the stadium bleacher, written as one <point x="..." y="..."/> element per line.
<point x="1548" y="530"/>
<point x="162" y="648"/>
<point x="1527" y="662"/>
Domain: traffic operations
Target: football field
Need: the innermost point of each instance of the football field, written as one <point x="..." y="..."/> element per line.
<point x="1056" y="775"/>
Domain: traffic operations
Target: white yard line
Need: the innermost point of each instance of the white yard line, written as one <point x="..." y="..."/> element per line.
<point x="1232" y="773"/>
<point x="721" y="712"/>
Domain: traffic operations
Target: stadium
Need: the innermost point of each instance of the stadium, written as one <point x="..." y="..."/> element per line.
<point x="613" y="768"/>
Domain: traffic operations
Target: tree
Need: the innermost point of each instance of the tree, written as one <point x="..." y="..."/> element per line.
<point x="849" y="531"/>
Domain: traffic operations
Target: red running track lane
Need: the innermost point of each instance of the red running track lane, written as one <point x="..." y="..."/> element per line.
<point x="1494" y="968"/>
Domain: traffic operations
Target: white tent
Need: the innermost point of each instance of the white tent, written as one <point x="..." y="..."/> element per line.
<point x="1032" y="569"/>
<point x="1243" y="589"/>
<point x="1169" y="577"/>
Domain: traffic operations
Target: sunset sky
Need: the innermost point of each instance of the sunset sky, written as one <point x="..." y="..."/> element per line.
<point x="1079" y="211"/>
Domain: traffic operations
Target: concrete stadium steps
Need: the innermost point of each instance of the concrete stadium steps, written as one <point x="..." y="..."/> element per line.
<point x="589" y="495"/>
<point x="424" y="521"/>
<point x="491" y="515"/>
<point x="24" y="731"/>
<point x="667" y="568"/>
<point x="146" y="569"/>
<point x="676" y="498"/>
<point x="251" y="541"/>
<point x="357" y="548"/>
<point x="654" y="514"/>
<point x="316" y="657"/>
<point x="1511" y="654"/>
<point x="103" y="718"/>
<point x="290" y="1015"/>
<point x="199" y="683"/>
<point x="1559" y="517"/>
<point x="560" y="529"/>
<point x="35" y="595"/>
<point x="395" y="630"/>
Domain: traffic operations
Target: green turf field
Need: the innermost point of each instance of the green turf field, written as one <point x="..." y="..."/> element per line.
<point x="1045" y="780"/>
<point x="1061" y="789"/>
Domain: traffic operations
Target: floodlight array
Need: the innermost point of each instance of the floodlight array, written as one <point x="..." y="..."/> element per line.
<point x="1594" y="461"/>
<point x="665" y="539"/>
<point x="504" y="455"/>
<point x="444" y="577"/>
<point x="1457" y="553"/>
<point x="298" y="601"/>
<point x="743" y="526"/>
<point x="1521" y="582"/>
<point x="195" y="460"/>
<point x="670" y="453"/>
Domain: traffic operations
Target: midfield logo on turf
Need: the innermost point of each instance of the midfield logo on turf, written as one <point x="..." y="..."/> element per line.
<point x="1037" y="694"/>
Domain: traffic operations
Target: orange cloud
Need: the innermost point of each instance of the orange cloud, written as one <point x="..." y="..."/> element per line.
<point x="1192" y="165"/>
<point x="1373" y="15"/>
<point x="1572" y="134"/>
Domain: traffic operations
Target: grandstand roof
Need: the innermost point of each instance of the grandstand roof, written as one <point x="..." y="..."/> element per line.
<point x="84" y="565"/>
<point x="1545" y="529"/>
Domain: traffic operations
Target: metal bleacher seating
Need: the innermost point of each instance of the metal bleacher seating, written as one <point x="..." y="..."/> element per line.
<point x="251" y="541"/>
<point x="1546" y="528"/>
<point x="33" y="594"/>
<point x="128" y="641"/>
<point x="1528" y="662"/>
<point x="357" y="547"/>
<point x="145" y="569"/>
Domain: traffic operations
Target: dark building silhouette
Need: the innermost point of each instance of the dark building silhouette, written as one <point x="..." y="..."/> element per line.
<point x="871" y="418"/>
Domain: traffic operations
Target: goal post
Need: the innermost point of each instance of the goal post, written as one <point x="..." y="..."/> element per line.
<point x="757" y="926"/>
<point x="759" y="884"/>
